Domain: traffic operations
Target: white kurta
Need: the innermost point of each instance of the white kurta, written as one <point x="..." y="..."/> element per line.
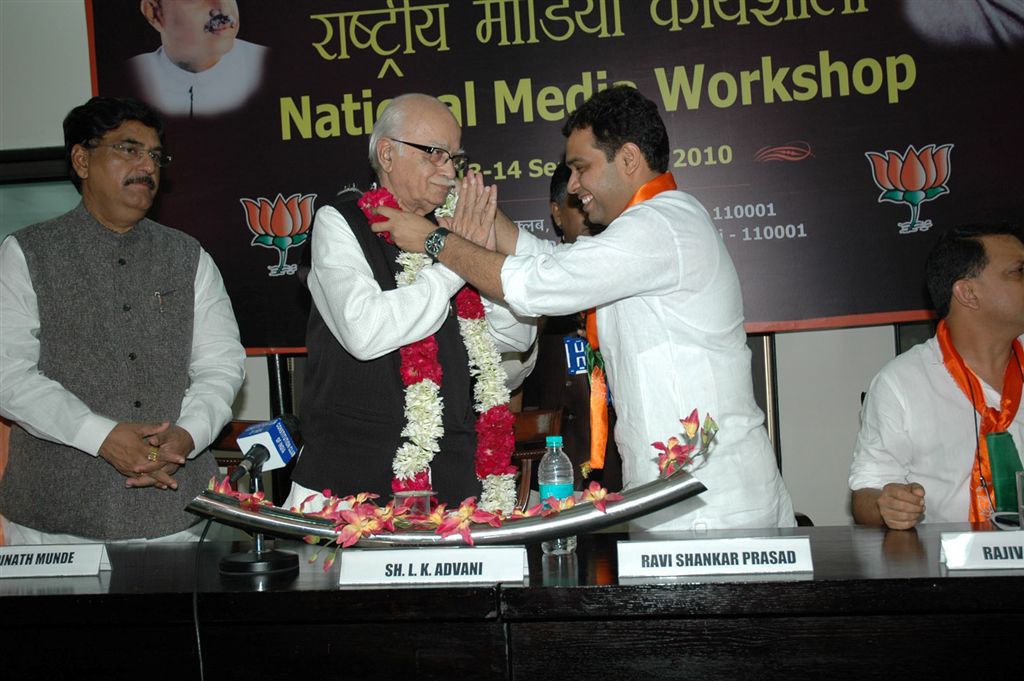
<point x="223" y="87"/>
<point x="918" y="426"/>
<point x="670" y="323"/>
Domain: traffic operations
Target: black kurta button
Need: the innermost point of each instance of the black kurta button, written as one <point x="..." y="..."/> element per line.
<point x="132" y="356"/>
<point x="126" y="307"/>
<point x="121" y="261"/>
<point x="137" y="404"/>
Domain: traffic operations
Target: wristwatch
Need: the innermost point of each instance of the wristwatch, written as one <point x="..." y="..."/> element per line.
<point x="435" y="242"/>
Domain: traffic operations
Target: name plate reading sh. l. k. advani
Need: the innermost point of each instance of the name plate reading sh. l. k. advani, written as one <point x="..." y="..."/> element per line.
<point x="450" y="565"/>
<point x="54" y="560"/>
<point x="675" y="558"/>
<point x="983" y="550"/>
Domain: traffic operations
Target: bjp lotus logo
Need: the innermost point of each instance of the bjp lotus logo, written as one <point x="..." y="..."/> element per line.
<point x="914" y="178"/>
<point x="280" y="224"/>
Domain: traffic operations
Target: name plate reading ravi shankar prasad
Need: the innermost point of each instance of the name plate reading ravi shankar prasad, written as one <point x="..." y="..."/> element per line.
<point x="983" y="550"/>
<point x="450" y="565"/>
<point x="55" y="560"/>
<point x="671" y="558"/>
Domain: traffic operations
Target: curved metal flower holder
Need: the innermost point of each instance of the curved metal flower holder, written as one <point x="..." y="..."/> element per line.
<point x="581" y="519"/>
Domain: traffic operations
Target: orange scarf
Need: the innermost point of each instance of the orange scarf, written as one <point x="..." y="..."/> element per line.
<point x="598" y="384"/>
<point x="992" y="421"/>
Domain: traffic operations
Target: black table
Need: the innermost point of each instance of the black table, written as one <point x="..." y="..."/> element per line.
<point x="878" y="604"/>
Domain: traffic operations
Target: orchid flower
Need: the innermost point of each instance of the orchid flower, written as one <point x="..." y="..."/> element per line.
<point x="358" y="523"/>
<point x="674" y="455"/>
<point x="598" y="496"/>
<point x="558" y="505"/>
<point x="690" y="424"/>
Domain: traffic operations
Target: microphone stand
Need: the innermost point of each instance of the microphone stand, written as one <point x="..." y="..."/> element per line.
<point x="258" y="561"/>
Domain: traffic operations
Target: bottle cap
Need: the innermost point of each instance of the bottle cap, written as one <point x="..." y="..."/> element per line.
<point x="554" y="440"/>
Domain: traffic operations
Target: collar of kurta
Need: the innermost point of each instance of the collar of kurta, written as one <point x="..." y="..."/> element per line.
<point x="662" y="183"/>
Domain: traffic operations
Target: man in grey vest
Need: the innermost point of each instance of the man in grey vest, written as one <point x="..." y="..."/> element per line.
<point x="119" y="351"/>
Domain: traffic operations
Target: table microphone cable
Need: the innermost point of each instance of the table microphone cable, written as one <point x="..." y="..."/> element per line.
<point x="195" y="600"/>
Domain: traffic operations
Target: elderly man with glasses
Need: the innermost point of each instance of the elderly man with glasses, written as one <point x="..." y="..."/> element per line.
<point x="119" y="351"/>
<point x="368" y="324"/>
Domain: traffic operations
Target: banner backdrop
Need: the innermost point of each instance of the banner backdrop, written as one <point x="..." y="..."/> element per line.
<point x="830" y="140"/>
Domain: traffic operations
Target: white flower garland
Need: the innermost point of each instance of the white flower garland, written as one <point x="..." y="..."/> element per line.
<point x="424" y="404"/>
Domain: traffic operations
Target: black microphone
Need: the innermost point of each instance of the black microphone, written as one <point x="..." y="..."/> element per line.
<point x="253" y="459"/>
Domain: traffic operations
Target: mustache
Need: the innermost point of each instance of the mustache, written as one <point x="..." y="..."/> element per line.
<point x="219" y="21"/>
<point x="141" y="179"/>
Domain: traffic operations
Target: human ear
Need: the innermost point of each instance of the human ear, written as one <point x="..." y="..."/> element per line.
<point x="556" y="214"/>
<point x="153" y="13"/>
<point x="80" y="160"/>
<point x="964" y="293"/>
<point x="384" y="151"/>
<point x="631" y="157"/>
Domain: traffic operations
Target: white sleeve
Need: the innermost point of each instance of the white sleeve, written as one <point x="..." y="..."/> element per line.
<point x="884" y="448"/>
<point x="217" y="366"/>
<point x="637" y="254"/>
<point x="367" y="321"/>
<point x="40" y="405"/>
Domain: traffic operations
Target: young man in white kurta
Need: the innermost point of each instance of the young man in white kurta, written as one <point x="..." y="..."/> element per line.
<point x="670" y="318"/>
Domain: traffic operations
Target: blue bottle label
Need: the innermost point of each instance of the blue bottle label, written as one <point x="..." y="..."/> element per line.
<point x="557" y="491"/>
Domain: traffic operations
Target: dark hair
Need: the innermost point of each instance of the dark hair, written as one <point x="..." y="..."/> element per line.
<point x="960" y="254"/>
<point x="619" y="115"/>
<point x="559" y="191"/>
<point x="99" y="116"/>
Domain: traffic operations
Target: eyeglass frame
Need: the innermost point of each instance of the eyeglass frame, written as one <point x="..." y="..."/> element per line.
<point x="460" y="160"/>
<point x="135" y="151"/>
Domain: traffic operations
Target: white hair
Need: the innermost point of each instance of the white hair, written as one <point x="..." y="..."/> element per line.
<point x="392" y="119"/>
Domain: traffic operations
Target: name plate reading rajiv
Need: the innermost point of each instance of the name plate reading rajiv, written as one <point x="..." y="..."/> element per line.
<point x="714" y="556"/>
<point x="56" y="560"/>
<point x="455" y="565"/>
<point x="983" y="550"/>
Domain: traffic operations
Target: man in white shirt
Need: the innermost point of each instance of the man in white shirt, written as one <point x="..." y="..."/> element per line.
<point x="201" y="67"/>
<point x="922" y="450"/>
<point x="355" y="409"/>
<point x="119" y="351"/>
<point x="669" y="311"/>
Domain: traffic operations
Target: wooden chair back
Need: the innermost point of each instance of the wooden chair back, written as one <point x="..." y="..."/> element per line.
<point x="531" y="429"/>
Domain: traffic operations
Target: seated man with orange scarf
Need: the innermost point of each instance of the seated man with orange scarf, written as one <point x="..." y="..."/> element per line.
<point x="927" y="429"/>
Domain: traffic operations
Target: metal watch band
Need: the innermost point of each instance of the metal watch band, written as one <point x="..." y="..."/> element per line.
<point x="435" y="242"/>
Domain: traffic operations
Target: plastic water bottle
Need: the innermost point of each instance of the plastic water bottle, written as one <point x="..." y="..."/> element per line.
<point x="554" y="478"/>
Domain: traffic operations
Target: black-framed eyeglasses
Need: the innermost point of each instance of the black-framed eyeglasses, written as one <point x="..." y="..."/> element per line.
<point x="439" y="156"/>
<point x="134" y="152"/>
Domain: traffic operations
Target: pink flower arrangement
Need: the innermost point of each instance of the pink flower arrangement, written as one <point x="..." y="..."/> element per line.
<point x="679" y="453"/>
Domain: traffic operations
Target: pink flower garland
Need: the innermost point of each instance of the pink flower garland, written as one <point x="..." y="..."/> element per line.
<point x="494" y="427"/>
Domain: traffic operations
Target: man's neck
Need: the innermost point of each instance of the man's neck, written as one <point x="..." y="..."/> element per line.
<point x="986" y="352"/>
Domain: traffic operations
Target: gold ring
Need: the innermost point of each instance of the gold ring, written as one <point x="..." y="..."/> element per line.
<point x="153" y="453"/>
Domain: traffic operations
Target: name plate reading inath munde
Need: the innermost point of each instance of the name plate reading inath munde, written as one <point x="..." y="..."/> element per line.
<point x="983" y="550"/>
<point x="453" y="565"/>
<point x="672" y="558"/>
<point x="55" y="560"/>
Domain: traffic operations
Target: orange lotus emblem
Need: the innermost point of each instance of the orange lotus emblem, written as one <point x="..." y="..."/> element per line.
<point x="912" y="178"/>
<point x="280" y="224"/>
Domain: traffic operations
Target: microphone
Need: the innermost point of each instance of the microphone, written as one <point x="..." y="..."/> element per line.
<point x="267" y="446"/>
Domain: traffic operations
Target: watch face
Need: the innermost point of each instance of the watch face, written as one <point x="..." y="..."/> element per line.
<point x="434" y="243"/>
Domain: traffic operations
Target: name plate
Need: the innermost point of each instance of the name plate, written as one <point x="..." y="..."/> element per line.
<point x="982" y="550"/>
<point x="55" y="560"/>
<point x="714" y="556"/>
<point x="455" y="565"/>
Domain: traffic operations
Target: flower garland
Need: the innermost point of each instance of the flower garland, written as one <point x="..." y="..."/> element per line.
<point x="421" y="374"/>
